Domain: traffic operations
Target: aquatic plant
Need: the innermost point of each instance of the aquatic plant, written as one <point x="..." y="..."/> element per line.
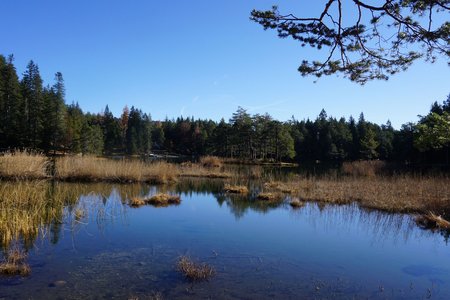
<point x="22" y="165"/>
<point x="211" y="161"/>
<point x="235" y="189"/>
<point x="266" y="196"/>
<point x="296" y="203"/>
<point x="194" y="271"/>
<point x="136" y="202"/>
<point x="90" y="168"/>
<point x="14" y="263"/>
<point x="367" y="168"/>
<point x="162" y="199"/>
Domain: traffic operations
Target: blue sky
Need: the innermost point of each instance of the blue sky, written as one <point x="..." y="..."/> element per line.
<point x="198" y="58"/>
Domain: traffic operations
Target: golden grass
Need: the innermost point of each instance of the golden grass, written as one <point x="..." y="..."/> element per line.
<point x="164" y="200"/>
<point x="296" y="203"/>
<point x="136" y="202"/>
<point x="368" y="168"/>
<point x="432" y="221"/>
<point x="396" y="194"/>
<point x="235" y="189"/>
<point x="267" y="196"/>
<point x="23" y="165"/>
<point x="90" y="168"/>
<point x="197" y="170"/>
<point x="280" y="187"/>
<point x="194" y="271"/>
<point x="211" y="162"/>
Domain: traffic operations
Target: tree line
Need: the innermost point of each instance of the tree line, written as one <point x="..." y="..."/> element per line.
<point x="34" y="116"/>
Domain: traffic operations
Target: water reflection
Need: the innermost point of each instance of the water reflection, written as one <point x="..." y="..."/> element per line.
<point x="84" y="241"/>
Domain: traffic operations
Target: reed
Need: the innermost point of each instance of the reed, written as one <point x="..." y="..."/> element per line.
<point x="15" y="263"/>
<point x="163" y="200"/>
<point x="197" y="170"/>
<point x="90" y="168"/>
<point x="367" y="168"/>
<point x="211" y="161"/>
<point x="267" y="196"/>
<point x="395" y="194"/>
<point x="22" y="165"/>
<point x="235" y="189"/>
<point x="194" y="271"/>
<point x="296" y="203"/>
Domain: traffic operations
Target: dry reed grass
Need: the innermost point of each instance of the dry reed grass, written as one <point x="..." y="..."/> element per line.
<point x="164" y="200"/>
<point x="197" y="170"/>
<point x="280" y="187"/>
<point x="367" y="168"/>
<point x="395" y="194"/>
<point x="267" y="196"/>
<point x="296" y="203"/>
<point x="15" y="264"/>
<point x="235" y="189"/>
<point x="211" y="161"/>
<point x="194" y="271"/>
<point x="136" y="202"/>
<point x="22" y="165"/>
<point x="90" y="168"/>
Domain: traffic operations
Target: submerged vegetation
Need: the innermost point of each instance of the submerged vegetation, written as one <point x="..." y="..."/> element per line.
<point x="194" y="271"/>
<point x="15" y="263"/>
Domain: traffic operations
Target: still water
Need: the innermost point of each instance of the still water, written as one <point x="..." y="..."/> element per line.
<point x="259" y="251"/>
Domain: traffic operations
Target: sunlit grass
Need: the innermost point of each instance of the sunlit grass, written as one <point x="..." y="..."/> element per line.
<point x="90" y="168"/>
<point x="23" y="165"/>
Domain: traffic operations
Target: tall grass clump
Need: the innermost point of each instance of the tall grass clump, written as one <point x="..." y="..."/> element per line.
<point x="211" y="161"/>
<point x="14" y="263"/>
<point x="22" y="165"/>
<point x="194" y="271"/>
<point x="367" y="168"/>
<point x="90" y="168"/>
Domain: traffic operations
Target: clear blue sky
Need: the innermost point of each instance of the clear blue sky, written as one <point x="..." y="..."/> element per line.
<point x="198" y="58"/>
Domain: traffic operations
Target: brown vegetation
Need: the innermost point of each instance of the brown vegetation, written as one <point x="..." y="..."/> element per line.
<point x="296" y="203"/>
<point x="194" y="271"/>
<point x="396" y="194"/>
<point x="235" y="189"/>
<point x="367" y="168"/>
<point x="90" y="168"/>
<point x="266" y="196"/>
<point x="23" y="165"/>
<point x="136" y="202"/>
<point x="14" y="264"/>
<point x="197" y="170"/>
<point x="211" y="162"/>
<point x="164" y="200"/>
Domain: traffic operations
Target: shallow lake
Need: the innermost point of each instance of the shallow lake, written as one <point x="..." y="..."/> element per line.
<point x="258" y="250"/>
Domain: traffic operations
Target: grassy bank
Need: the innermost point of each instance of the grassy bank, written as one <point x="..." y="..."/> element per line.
<point x="30" y="166"/>
<point x="395" y="194"/>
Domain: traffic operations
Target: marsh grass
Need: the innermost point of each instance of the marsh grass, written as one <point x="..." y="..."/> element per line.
<point x="194" y="271"/>
<point x="20" y="165"/>
<point x="235" y="189"/>
<point x="267" y="196"/>
<point x="136" y="202"/>
<point x="211" y="162"/>
<point x="90" y="168"/>
<point x="296" y="203"/>
<point x="367" y="168"/>
<point x="394" y="194"/>
<point x="197" y="170"/>
<point x="15" y="263"/>
<point x="163" y="200"/>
